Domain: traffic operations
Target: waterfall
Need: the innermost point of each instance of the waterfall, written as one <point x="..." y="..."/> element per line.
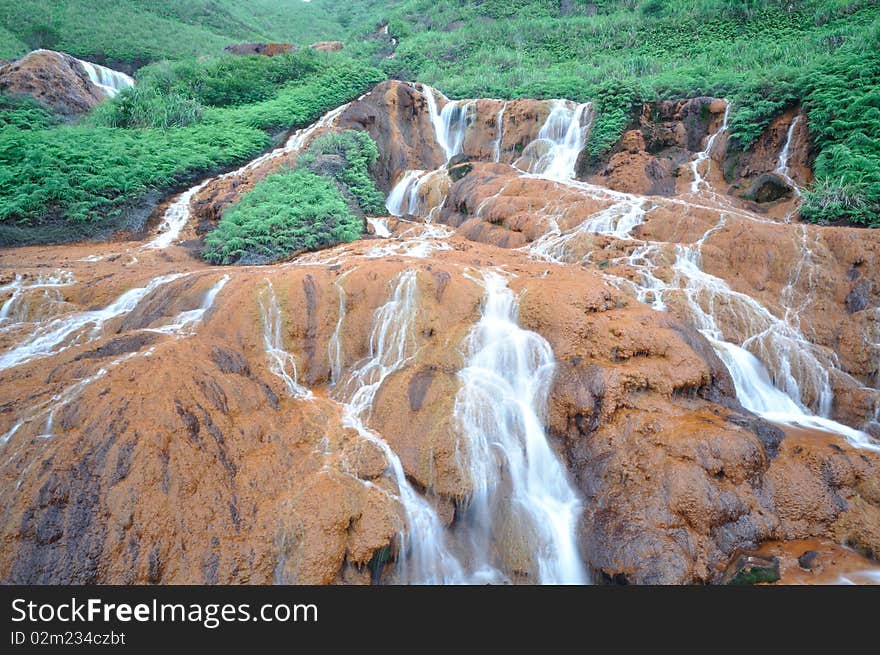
<point x="111" y="82"/>
<point x="522" y="502"/>
<point x="79" y="327"/>
<point x="424" y="557"/>
<point x="403" y="198"/>
<point x="334" y="345"/>
<point x="564" y="134"/>
<point x="175" y="218"/>
<point x="705" y="156"/>
<point x="783" y="169"/>
<point x="499" y="133"/>
<point x="450" y="124"/>
<point x="15" y="308"/>
<point x="380" y="226"/>
<point x="281" y="363"/>
<point x="185" y="322"/>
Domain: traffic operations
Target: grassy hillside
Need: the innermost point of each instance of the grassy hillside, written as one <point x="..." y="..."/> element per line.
<point x="154" y="137"/>
<point x="140" y="31"/>
<point x="193" y="114"/>
<point x="765" y="56"/>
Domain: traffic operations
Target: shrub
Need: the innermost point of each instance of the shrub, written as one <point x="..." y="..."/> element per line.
<point x="147" y="107"/>
<point x="285" y="213"/>
<point x="356" y="152"/>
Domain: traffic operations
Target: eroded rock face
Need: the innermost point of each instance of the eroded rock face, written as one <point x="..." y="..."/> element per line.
<point x="54" y="79"/>
<point x="243" y="463"/>
<point x="664" y="137"/>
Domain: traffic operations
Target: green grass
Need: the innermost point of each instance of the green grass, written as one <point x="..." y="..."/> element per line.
<point x="286" y="213"/>
<point x="140" y="31"/>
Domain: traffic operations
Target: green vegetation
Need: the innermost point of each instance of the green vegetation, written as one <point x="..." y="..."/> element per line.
<point x="92" y="171"/>
<point x="764" y="55"/>
<point x="24" y="114"/>
<point x="189" y="116"/>
<point x="286" y="213"/>
<point x="141" y="31"/>
<point x="345" y="157"/>
<point x="314" y="206"/>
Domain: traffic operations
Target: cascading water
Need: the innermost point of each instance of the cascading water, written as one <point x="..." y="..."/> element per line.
<point x="699" y="181"/>
<point x="79" y="327"/>
<point x="564" y="135"/>
<point x="783" y="168"/>
<point x="380" y="226"/>
<point x="499" y="133"/>
<point x="334" y="345"/>
<point x="185" y="322"/>
<point x="175" y="218"/>
<point x="450" y="124"/>
<point x="281" y="362"/>
<point x="424" y="556"/>
<point x="111" y="82"/>
<point x="403" y="198"/>
<point x="522" y="513"/>
<point x="15" y="308"/>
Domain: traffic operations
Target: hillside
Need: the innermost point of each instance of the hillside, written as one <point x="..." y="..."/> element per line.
<point x="134" y="32"/>
<point x="763" y="56"/>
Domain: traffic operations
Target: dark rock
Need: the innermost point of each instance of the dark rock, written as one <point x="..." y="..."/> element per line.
<point x="418" y="387"/>
<point x="768" y="188"/>
<point x="230" y="361"/>
<point x="858" y="297"/>
<point x="750" y="568"/>
<point x="128" y="343"/>
<point x="808" y="560"/>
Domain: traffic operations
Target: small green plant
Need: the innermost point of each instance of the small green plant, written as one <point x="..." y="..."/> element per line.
<point x="346" y="158"/>
<point x="286" y="213"/>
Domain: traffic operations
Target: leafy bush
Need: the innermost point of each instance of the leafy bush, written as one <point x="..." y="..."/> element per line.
<point x="230" y="79"/>
<point x="354" y="152"/>
<point x="285" y="213"/>
<point x="141" y="106"/>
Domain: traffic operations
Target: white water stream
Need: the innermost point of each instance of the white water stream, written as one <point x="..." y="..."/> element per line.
<point x="522" y="513"/>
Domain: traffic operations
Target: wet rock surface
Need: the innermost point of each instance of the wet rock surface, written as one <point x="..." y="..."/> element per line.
<point x="54" y="79"/>
<point x="198" y="437"/>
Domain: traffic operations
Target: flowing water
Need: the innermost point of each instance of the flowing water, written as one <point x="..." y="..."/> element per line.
<point x="110" y="81"/>
<point x="563" y="136"/>
<point x="281" y="362"/>
<point x="705" y="156"/>
<point x="56" y="335"/>
<point x="783" y="168"/>
<point x="425" y="557"/>
<point x="522" y="513"/>
<point x="185" y="322"/>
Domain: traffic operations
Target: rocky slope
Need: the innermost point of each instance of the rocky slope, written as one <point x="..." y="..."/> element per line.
<point x="65" y="84"/>
<point x="320" y="421"/>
